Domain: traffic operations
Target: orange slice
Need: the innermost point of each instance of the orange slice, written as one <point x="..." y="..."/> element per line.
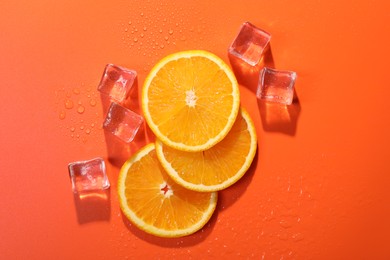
<point x="190" y="100"/>
<point x="155" y="203"/>
<point x="218" y="167"/>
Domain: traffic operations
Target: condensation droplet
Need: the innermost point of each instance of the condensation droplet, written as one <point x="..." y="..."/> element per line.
<point x="92" y="102"/>
<point x="142" y="14"/>
<point x="82" y="127"/>
<point x="62" y="115"/>
<point x="135" y="39"/>
<point x="80" y="109"/>
<point x="72" y="129"/>
<point x="129" y="22"/>
<point x="145" y="28"/>
<point x="285" y="223"/>
<point x="87" y="131"/>
<point x="162" y="46"/>
<point x="170" y="31"/>
<point x="298" y="237"/>
<point x="142" y="35"/>
<point x="80" y="102"/>
<point x="76" y="91"/>
<point x="160" y="31"/>
<point x="93" y="125"/>
<point x="68" y="104"/>
<point x="126" y="29"/>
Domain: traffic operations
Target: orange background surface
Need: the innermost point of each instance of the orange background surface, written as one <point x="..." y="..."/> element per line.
<point x="317" y="188"/>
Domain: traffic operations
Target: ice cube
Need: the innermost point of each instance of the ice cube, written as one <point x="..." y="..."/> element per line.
<point x="88" y="175"/>
<point x="118" y="83"/>
<point x="276" y="85"/>
<point x="122" y="122"/>
<point x="250" y="44"/>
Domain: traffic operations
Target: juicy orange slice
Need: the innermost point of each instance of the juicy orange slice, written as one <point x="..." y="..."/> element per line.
<point x="190" y="100"/>
<point x="218" y="167"/>
<point x="155" y="203"/>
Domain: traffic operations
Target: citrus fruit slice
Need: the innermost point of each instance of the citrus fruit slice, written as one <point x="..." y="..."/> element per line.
<point x="190" y="100"/>
<point x="218" y="167"/>
<point x="155" y="203"/>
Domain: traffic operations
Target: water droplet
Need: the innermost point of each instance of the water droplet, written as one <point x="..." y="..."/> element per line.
<point x="87" y="131"/>
<point x="68" y="104"/>
<point x="80" y="109"/>
<point x="93" y="125"/>
<point x="145" y="28"/>
<point x="142" y="35"/>
<point x="166" y="38"/>
<point x="162" y="46"/>
<point x="80" y="102"/>
<point x="160" y="31"/>
<point x="92" y="102"/>
<point x="72" y="129"/>
<point x="297" y="237"/>
<point x="82" y="127"/>
<point x="129" y="22"/>
<point x="126" y="30"/>
<point x="62" y="115"/>
<point x="76" y="91"/>
<point x="285" y="223"/>
<point x="135" y="39"/>
<point x="170" y="31"/>
<point x="142" y="14"/>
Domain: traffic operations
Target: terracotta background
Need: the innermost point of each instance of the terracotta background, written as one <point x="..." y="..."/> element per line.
<point x="318" y="187"/>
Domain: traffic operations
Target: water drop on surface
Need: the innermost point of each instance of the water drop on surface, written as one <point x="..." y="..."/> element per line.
<point x="145" y="28"/>
<point x="80" y="109"/>
<point x="135" y="39"/>
<point x="82" y="127"/>
<point x="126" y="30"/>
<point x="72" y="129"/>
<point x="62" y="115"/>
<point x="170" y="31"/>
<point x="68" y="104"/>
<point x="76" y="91"/>
<point x="92" y="102"/>
<point x="87" y="131"/>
